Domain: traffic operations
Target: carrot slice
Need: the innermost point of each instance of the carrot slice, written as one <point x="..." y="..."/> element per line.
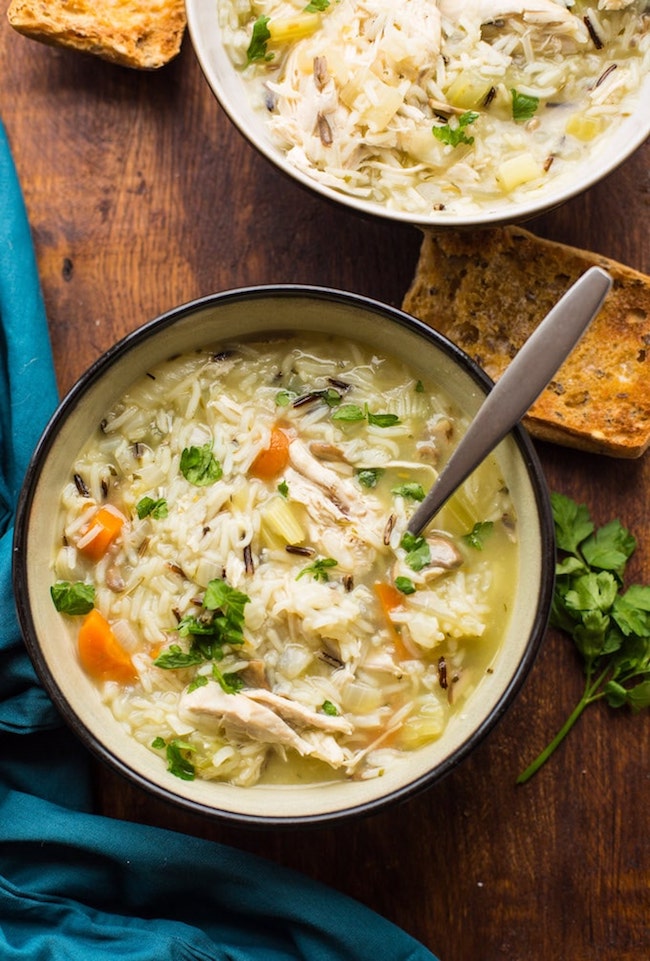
<point x="389" y="599"/>
<point x="103" y="529"/>
<point x="100" y="653"/>
<point x="273" y="459"/>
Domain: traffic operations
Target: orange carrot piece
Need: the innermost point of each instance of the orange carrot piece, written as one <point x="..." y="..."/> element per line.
<point x="107" y="526"/>
<point x="273" y="459"/>
<point x="389" y="599"/>
<point x="100" y="653"/>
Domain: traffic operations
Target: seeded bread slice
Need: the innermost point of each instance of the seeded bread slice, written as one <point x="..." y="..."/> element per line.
<point x="144" y="34"/>
<point x="488" y="291"/>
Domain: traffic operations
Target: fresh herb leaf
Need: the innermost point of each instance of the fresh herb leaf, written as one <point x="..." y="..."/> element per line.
<point x="419" y="387"/>
<point x="199" y="466"/>
<point x="158" y="743"/>
<point x="352" y="413"/>
<point x="453" y="133"/>
<point x="523" y="106"/>
<point x="418" y="552"/>
<point x="349" y="413"/>
<point x="382" y="420"/>
<point x="410" y="490"/>
<point x="283" y="488"/>
<point x="317" y="6"/>
<point x="318" y="569"/>
<point x="405" y="585"/>
<point x="328" y="708"/>
<point x="175" y="658"/>
<point x="199" y="681"/>
<point x="259" y="39"/>
<point x="156" y="508"/>
<point x="284" y="397"/>
<point x="178" y="763"/>
<point x="230" y="682"/>
<point x="610" y="629"/>
<point x="220" y="621"/>
<point x="73" y="597"/>
<point x="368" y="476"/>
<point x="476" y="537"/>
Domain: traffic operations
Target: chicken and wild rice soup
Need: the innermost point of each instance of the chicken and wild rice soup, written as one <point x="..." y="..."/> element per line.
<point x="235" y="565"/>
<point x="423" y="105"/>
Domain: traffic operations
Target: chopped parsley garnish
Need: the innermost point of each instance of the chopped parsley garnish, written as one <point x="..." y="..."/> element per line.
<point x="476" y="537"/>
<point x="453" y="133"/>
<point x="73" y="597"/>
<point x="405" y="585"/>
<point x="283" y="488"/>
<point x="328" y="708"/>
<point x="220" y="622"/>
<point x="199" y="466"/>
<point x="523" y="106"/>
<point x="609" y="626"/>
<point x="317" y="6"/>
<point x="230" y="682"/>
<point x="156" y="508"/>
<point x="284" y="397"/>
<point x="352" y="413"/>
<point x="259" y="39"/>
<point x="411" y="490"/>
<point x="175" y="658"/>
<point x="382" y="420"/>
<point x="199" y="681"/>
<point x="368" y="476"/>
<point x="178" y="763"/>
<point x="318" y="569"/>
<point x="349" y="413"/>
<point x="418" y="553"/>
<point x="419" y="387"/>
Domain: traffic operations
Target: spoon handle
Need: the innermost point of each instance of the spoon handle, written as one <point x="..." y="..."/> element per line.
<point x="521" y="384"/>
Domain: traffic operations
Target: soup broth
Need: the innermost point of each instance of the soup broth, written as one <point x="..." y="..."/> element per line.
<point x="235" y="564"/>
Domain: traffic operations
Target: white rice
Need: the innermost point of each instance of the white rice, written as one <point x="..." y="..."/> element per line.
<point x="395" y="70"/>
<point x="321" y="642"/>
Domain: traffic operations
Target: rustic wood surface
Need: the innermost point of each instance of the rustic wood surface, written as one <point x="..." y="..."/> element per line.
<point x="142" y="195"/>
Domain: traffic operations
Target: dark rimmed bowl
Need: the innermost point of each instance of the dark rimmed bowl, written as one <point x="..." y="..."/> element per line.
<point x="224" y="317"/>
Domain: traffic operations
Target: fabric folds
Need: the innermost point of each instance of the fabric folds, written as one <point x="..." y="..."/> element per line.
<point x="76" y="886"/>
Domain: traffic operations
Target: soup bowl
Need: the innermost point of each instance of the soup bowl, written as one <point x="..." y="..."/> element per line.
<point x="551" y="156"/>
<point x="262" y="314"/>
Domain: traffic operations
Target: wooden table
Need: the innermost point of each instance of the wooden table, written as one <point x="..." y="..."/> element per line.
<point x="142" y="195"/>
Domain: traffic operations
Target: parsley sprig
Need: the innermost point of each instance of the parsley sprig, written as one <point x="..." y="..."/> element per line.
<point x="610" y="626"/>
<point x="219" y="622"/>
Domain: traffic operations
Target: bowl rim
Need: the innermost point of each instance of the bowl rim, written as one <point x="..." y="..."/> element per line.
<point x="48" y="437"/>
<point x="634" y="133"/>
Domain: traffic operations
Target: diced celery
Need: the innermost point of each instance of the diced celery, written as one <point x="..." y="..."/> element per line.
<point x="467" y="91"/>
<point x="280" y="525"/>
<point x="290" y="29"/>
<point x="425" y="724"/>
<point x="518" y="170"/>
<point x="583" y="127"/>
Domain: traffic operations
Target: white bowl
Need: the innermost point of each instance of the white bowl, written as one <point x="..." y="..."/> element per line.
<point x="220" y="318"/>
<point x="227" y="85"/>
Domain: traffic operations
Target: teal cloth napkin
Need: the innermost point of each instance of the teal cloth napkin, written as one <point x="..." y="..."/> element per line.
<point x="76" y="886"/>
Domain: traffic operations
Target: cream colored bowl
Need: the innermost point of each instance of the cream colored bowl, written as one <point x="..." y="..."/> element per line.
<point x="223" y="317"/>
<point x="603" y="157"/>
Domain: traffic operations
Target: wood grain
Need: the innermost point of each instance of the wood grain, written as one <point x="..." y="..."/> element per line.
<point x="141" y="196"/>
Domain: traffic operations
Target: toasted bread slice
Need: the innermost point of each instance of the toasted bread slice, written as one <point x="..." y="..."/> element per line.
<point x="488" y="291"/>
<point x="144" y="34"/>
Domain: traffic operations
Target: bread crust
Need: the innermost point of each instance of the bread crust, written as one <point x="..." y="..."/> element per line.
<point x="488" y="291"/>
<point x="133" y="33"/>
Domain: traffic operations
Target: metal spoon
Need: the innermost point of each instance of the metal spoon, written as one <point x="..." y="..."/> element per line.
<point x="518" y="388"/>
